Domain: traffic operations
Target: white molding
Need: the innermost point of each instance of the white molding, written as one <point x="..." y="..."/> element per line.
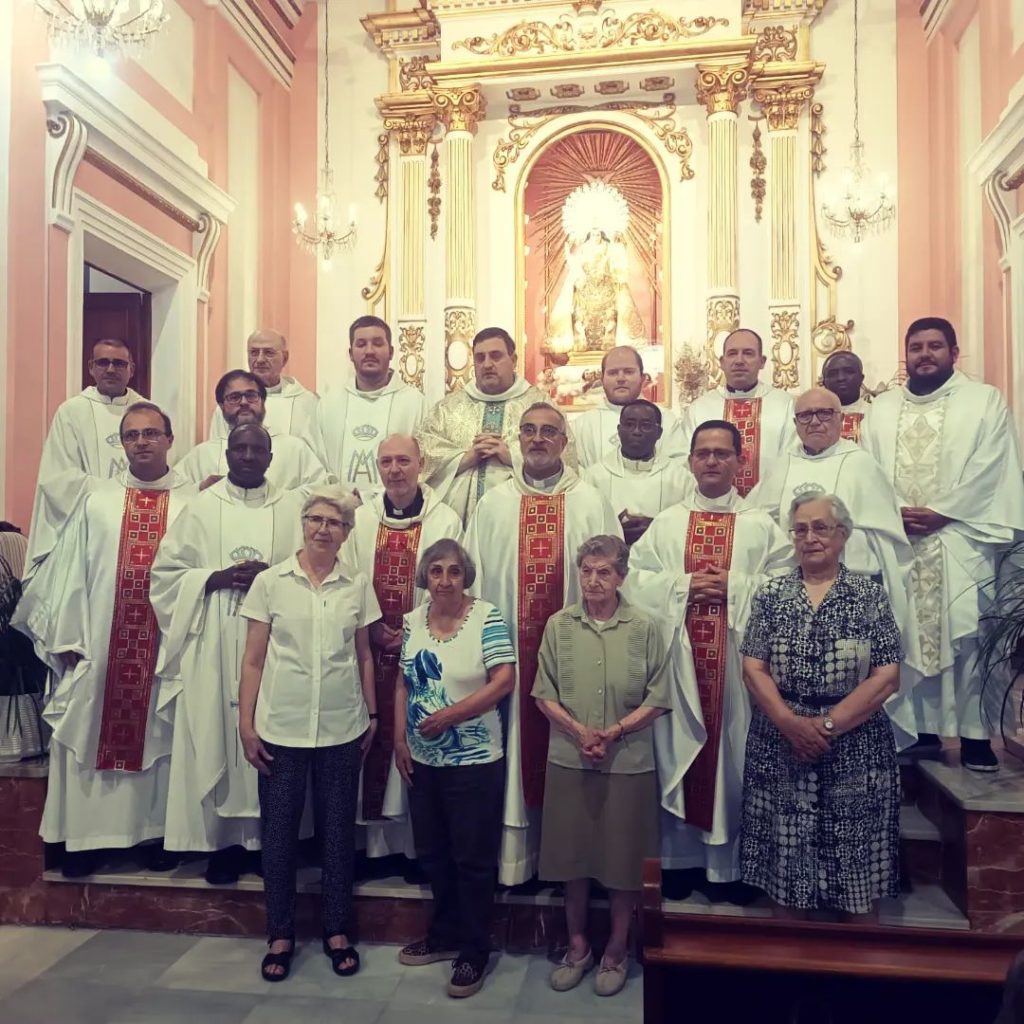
<point x="66" y="142"/>
<point x="1003" y="148"/>
<point x="278" y="61"/>
<point x="122" y="127"/>
<point x="117" y="244"/>
<point x="933" y="14"/>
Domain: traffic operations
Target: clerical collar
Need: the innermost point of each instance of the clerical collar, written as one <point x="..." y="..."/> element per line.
<point x="376" y="393"/>
<point x="823" y="454"/>
<point x="414" y="508"/>
<point x="275" y="389"/>
<point x="723" y="503"/>
<point x="940" y="392"/>
<point x="161" y="483"/>
<point x="246" y="494"/>
<point x="548" y="484"/>
<point x="638" y="465"/>
<point x="736" y="393"/>
<point x="116" y="400"/>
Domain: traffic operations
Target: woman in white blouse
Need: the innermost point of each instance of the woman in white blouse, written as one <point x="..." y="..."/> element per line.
<point x="306" y="700"/>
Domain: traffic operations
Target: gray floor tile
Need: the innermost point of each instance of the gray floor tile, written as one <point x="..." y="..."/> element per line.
<point x="48" y="1000"/>
<point x="287" y="1009"/>
<point x="160" y="1006"/>
<point x="539" y="998"/>
<point x="25" y="952"/>
<point x="454" y="1009"/>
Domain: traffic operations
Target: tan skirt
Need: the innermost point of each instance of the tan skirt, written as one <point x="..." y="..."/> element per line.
<point x="598" y="825"/>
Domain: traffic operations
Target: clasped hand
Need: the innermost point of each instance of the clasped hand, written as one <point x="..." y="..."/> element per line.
<point x="491" y="446"/>
<point x="919" y="522"/>
<point x="236" y="577"/>
<point x="385" y="637"/>
<point x="808" y="737"/>
<point x="595" y="743"/>
<point x="710" y="586"/>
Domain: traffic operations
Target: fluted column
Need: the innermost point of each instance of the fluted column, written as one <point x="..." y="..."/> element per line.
<point x="720" y="88"/>
<point x="460" y="109"/>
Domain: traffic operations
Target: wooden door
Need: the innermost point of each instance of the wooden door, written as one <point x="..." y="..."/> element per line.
<point x="122" y="315"/>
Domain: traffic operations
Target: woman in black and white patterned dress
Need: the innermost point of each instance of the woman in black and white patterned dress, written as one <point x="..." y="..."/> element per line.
<point x="821" y="788"/>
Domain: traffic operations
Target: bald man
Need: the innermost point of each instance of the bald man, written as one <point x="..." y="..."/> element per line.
<point x="843" y="374"/>
<point x="392" y="528"/>
<point x="290" y="406"/>
<point x="825" y="463"/>
<point x="763" y="415"/>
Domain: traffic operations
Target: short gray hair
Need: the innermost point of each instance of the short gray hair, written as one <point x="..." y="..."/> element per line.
<point x="605" y="545"/>
<point x="547" y="407"/>
<point x="343" y="501"/>
<point x="447" y="547"/>
<point x="840" y="512"/>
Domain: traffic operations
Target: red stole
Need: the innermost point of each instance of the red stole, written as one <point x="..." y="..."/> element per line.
<point x="745" y="415"/>
<point x="709" y="538"/>
<point x="851" y="426"/>
<point x="394" y="583"/>
<point x="540" y="595"/>
<point x="134" y="634"/>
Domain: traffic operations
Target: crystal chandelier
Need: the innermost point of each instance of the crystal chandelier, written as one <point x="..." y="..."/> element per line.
<point x="867" y="204"/>
<point x="102" y="26"/>
<point x="324" y="235"/>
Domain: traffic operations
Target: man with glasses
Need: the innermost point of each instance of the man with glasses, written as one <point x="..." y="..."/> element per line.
<point x="523" y="539"/>
<point x="763" y="415"/>
<point x="825" y="463"/>
<point x="469" y="437"/>
<point x="205" y="566"/>
<point x="637" y="477"/>
<point x="242" y="399"/>
<point x="950" y="448"/>
<point x="290" y="406"/>
<point x="843" y="374"/>
<point x="83" y="443"/>
<point x="86" y="607"/>
<point x="698" y="567"/>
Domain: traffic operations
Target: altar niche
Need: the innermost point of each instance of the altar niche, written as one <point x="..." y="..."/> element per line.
<point x="593" y="260"/>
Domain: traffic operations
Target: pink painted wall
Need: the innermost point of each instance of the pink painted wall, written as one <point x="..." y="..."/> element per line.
<point x="37" y="271"/>
<point x="930" y="173"/>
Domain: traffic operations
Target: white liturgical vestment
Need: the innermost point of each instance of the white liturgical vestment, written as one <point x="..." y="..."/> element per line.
<point x="290" y="408"/>
<point x="642" y="488"/>
<point x="213" y="801"/>
<point x="84" y="441"/>
<point x="69" y="607"/>
<point x="503" y="539"/>
<point x="764" y="418"/>
<point x="350" y="424"/>
<point x="954" y="451"/>
<point x="659" y="581"/>
<point x="294" y="463"/>
<point x="596" y="433"/>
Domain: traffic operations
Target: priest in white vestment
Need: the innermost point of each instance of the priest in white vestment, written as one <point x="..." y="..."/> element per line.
<point x="203" y="570"/>
<point x="950" y="448"/>
<point x="290" y="406"/>
<point x="824" y="463"/>
<point x="523" y="538"/>
<point x="596" y="430"/>
<point x="241" y="397"/>
<point x="843" y="374"/>
<point x="636" y="476"/>
<point x="470" y="437"/>
<point x="762" y="414"/>
<point x="87" y="611"/>
<point x="392" y="529"/>
<point x="699" y="566"/>
<point x="353" y="419"/>
<point x="83" y="442"/>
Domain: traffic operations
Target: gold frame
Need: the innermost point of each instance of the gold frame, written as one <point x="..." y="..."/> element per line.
<point x="666" y="227"/>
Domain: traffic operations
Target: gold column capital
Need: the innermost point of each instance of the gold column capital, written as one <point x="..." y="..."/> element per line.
<point x="459" y="108"/>
<point x="412" y="131"/>
<point x="720" y="87"/>
<point x="783" y="103"/>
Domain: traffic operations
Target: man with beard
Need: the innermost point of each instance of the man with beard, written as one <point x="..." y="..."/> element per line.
<point x="290" y="406"/>
<point x="242" y="399"/>
<point x="352" y="420"/>
<point x="950" y="448"/>
<point x="843" y="374"/>
<point x="203" y="570"/>
<point x="622" y="380"/>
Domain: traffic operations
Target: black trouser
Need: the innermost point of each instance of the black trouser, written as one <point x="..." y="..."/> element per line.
<point x="456" y="823"/>
<point x="282" y="798"/>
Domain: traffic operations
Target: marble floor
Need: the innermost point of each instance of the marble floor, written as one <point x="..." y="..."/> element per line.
<point x="82" y="976"/>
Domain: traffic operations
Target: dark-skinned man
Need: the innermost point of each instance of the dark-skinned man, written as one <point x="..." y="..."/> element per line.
<point x="843" y="374"/>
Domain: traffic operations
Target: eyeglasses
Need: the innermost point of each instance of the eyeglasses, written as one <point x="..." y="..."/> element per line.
<point x="720" y="454"/>
<point x="236" y="397"/>
<point x="548" y="432"/>
<point x="823" y="415"/>
<point x="319" y="522"/>
<point x="106" y="364"/>
<point x="149" y="434"/>
<point x="818" y="528"/>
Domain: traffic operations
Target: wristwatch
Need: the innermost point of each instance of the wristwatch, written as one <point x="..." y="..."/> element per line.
<point x="830" y="726"/>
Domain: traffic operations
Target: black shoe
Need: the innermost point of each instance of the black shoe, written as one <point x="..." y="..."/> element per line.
<point x="413" y="874"/>
<point x="927" y="743"/>
<point x="739" y="894"/>
<point x="153" y="857"/>
<point x="426" y="951"/>
<point x="80" y="863"/>
<point x="678" y="884"/>
<point x="977" y="755"/>
<point x="467" y="977"/>
<point x="225" y="866"/>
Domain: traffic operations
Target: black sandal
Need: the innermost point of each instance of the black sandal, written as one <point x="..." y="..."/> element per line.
<point x="283" y="960"/>
<point x="340" y="956"/>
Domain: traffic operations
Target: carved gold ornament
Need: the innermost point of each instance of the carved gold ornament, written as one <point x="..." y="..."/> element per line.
<point x="411" y="364"/>
<point x="723" y="317"/>
<point x="413" y="133"/>
<point x="691" y="374"/>
<point x="782" y="104"/>
<point x="818" y="149"/>
<point x="659" y="117"/>
<point x="567" y="36"/>
<point x="459" y="109"/>
<point x="523" y="94"/>
<point x="785" y="349"/>
<point x="382" y="160"/>
<point x="616" y="87"/>
<point x="776" y="43"/>
<point x="758" y="164"/>
<point x="721" y="87"/>
<point x="830" y="336"/>
<point x="414" y="75"/>
<point x="657" y="83"/>
<point x="434" y="188"/>
<point x="459" y="328"/>
<point x="567" y="91"/>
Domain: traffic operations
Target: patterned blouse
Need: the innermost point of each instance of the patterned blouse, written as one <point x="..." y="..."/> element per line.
<point x="817" y="657"/>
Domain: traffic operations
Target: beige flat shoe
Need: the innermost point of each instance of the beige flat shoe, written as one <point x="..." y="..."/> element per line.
<point x="568" y="974"/>
<point x="609" y="980"/>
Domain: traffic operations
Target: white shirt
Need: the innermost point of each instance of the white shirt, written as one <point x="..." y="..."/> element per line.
<point x="311" y="694"/>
